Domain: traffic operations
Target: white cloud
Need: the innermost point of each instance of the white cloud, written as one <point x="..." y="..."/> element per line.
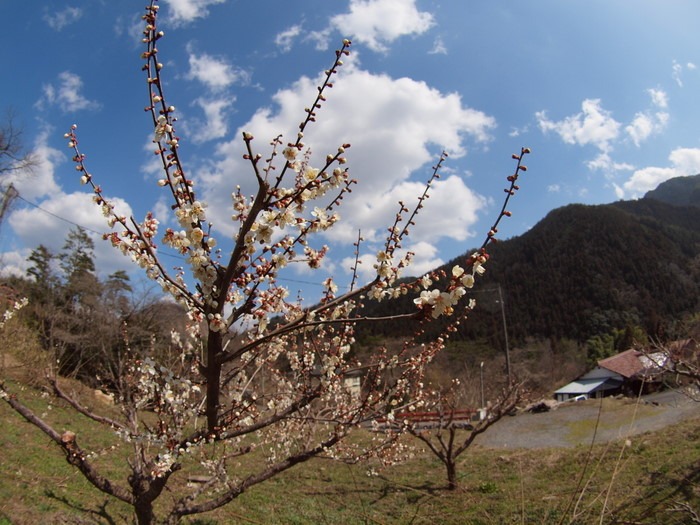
<point x="131" y="27"/>
<point x="648" y="123"/>
<point x="684" y="161"/>
<point x="425" y="259"/>
<point x="185" y="11"/>
<point x="593" y="125"/>
<point x="162" y="210"/>
<point x="658" y="97"/>
<point x="214" y="126"/>
<point x="677" y="70"/>
<point x="67" y="94"/>
<point x="60" y="19"/>
<point x="50" y="222"/>
<point x="40" y="180"/>
<point x="603" y="162"/>
<point x="438" y="47"/>
<point x="14" y="263"/>
<point x="218" y="76"/>
<point x="517" y="131"/>
<point x="53" y="213"/>
<point x="644" y="125"/>
<point x="215" y="73"/>
<point x="554" y="188"/>
<point x="396" y="128"/>
<point x="377" y="23"/>
<point x="285" y="39"/>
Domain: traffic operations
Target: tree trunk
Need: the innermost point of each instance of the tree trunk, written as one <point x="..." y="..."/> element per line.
<point x="451" y="467"/>
<point x="146" y="489"/>
<point x="144" y="512"/>
<point x="213" y="376"/>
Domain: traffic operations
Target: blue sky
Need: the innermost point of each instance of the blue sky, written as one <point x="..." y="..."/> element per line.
<point x="603" y="92"/>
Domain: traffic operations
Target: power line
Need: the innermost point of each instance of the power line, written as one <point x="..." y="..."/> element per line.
<point x="57" y="216"/>
<point x="81" y="226"/>
<point x="17" y="194"/>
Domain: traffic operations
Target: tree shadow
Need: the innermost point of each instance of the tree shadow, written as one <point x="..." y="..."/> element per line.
<point x="413" y="492"/>
<point x="667" y="490"/>
<point x="100" y="512"/>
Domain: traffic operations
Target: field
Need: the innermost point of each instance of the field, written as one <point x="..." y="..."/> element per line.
<point x="652" y="478"/>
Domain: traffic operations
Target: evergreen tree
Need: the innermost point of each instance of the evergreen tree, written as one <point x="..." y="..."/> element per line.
<point x="82" y="288"/>
<point x="77" y="255"/>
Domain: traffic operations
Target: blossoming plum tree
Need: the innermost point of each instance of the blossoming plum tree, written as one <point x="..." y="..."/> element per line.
<point x="260" y="385"/>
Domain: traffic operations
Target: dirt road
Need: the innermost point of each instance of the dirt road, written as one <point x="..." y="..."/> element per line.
<point x="572" y="424"/>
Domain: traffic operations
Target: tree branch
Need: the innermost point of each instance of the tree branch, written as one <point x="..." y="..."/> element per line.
<point x="74" y="454"/>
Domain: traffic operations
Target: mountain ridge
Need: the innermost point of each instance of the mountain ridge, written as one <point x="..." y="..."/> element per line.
<point x="584" y="270"/>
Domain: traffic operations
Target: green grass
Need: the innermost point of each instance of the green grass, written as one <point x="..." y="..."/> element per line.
<point x="658" y="472"/>
<point x="616" y="416"/>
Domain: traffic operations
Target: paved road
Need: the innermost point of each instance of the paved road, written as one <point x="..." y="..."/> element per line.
<point x="572" y="424"/>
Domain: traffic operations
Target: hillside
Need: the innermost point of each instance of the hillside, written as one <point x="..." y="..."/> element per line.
<point x="679" y="191"/>
<point x="658" y="473"/>
<point x="584" y="270"/>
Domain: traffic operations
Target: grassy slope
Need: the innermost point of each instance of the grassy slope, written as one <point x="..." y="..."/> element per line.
<point x="657" y="472"/>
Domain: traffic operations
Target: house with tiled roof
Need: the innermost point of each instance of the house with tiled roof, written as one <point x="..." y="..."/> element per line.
<point x="629" y="372"/>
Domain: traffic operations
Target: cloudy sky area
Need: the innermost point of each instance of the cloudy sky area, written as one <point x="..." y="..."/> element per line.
<point x="604" y="95"/>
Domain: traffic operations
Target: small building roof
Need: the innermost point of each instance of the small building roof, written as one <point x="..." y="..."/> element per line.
<point x="588" y="386"/>
<point x="634" y="364"/>
<point x="626" y="363"/>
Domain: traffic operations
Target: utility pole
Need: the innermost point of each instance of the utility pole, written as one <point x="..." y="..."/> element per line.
<point x="481" y="376"/>
<point x="505" y="332"/>
<point x="10" y="194"/>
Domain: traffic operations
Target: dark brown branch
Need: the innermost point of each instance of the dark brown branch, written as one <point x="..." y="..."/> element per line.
<point x="74" y="454"/>
<point x="187" y="507"/>
<point x="81" y="409"/>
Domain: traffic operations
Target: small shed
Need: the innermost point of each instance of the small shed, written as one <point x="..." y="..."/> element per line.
<point x="589" y="387"/>
<point x="353" y="382"/>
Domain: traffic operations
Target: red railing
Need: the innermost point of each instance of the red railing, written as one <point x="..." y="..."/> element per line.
<point x="442" y="419"/>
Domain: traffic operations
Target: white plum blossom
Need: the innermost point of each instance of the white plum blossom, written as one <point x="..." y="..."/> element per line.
<point x="162" y="128"/>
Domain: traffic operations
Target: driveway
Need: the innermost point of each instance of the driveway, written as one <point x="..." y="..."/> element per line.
<point x="574" y="423"/>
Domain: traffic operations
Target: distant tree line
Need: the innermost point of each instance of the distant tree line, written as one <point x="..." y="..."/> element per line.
<point x="83" y="322"/>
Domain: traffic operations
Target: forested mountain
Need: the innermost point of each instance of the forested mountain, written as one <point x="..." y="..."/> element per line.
<point x="586" y="270"/>
<point x="679" y="191"/>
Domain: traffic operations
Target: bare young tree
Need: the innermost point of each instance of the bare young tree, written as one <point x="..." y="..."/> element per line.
<point x="448" y="430"/>
<point x="13" y="154"/>
<point x="14" y="158"/>
<point x="261" y="383"/>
